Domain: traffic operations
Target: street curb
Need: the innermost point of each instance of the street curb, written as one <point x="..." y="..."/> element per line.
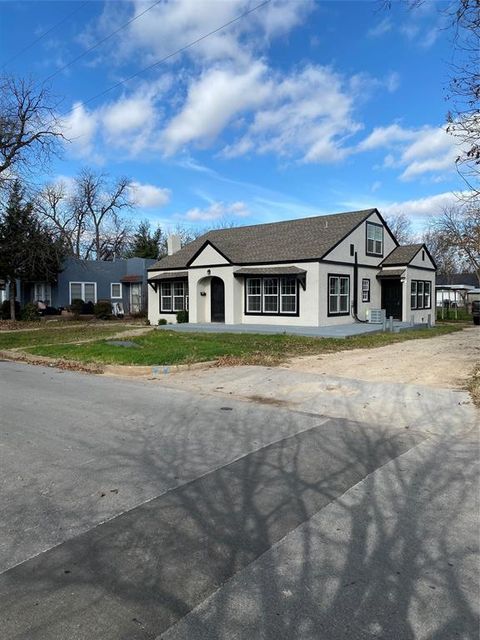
<point x="112" y="370"/>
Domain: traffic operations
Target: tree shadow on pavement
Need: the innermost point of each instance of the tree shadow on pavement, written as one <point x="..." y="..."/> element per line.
<point x="387" y="558"/>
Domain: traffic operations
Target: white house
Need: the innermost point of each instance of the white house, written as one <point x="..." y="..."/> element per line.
<point x="316" y="271"/>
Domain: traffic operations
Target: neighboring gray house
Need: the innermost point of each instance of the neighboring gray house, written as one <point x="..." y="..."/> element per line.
<point x="120" y="281"/>
<point x="313" y="272"/>
<point x="454" y="289"/>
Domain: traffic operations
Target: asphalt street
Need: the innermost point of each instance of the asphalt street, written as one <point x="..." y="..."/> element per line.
<point x="132" y="510"/>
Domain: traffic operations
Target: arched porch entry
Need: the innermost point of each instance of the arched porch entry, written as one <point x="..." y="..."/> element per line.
<point x="217" y="300"/>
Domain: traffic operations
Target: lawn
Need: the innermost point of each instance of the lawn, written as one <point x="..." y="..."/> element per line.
<point x="57" y="335"/>
<point x="170" y="347"/>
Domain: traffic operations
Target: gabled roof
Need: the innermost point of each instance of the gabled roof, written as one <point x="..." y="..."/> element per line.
<point x="402" y="255"/>
<point x="288" y="241"/>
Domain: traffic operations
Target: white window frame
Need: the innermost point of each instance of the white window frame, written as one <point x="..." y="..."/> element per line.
<point x="171" y="296"/>
<point x="82" y="285"/>
<point x="183" y="296"/>
<point x="420" y="298"/>
<point x="256" y="296"/>
<point x="283" y="282"/>
<point x="116" y="284"/>
<point x="337" y="295"/>
<point x="413" y="294"/>
<point x="420" y="291"/>
<point x="373" y="231"/>
<point x="45" y="290"/>
<point x="270" y="296"/>
<point x="280" y="296"/>
<point x="365" y="290"/>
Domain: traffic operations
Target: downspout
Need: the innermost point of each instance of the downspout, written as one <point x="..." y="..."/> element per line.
<point x="355" y="291"/>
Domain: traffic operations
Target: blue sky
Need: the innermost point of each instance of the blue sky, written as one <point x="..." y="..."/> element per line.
<point x="300" y="108"/>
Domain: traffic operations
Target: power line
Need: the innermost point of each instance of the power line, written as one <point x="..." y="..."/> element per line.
<point x="100" y="42"/>
<point x="171" y="55"/>
<point x="42" y="35"/>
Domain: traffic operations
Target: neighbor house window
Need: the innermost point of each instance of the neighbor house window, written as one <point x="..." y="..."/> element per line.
<point x="42" y="292"/>
<point x="366" y="290"/>
<point x="86" y="291"/>
<point x="271" y="296"/>
<point x="115" y="289"/>
<point x="420" y="294"/>
<point x="338" y="295"/>
<point x="374" y="239"/>
<point x="173" y="296"/>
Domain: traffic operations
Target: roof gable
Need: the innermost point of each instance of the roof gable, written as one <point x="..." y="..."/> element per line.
<point x="208" y="254"/>
<point x="402" y="255"/>
<point x="288" y="241"/>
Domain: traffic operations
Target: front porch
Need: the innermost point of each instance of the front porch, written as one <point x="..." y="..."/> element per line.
<point x="332" y="331"/>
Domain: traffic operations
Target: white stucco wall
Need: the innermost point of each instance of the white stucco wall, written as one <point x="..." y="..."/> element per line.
<point x="419" y="315"/>
<point x="358" y="238"/>
<point x="308" y="301"/>
<point x="209" y="256"/>
<point x="422" y="260"/>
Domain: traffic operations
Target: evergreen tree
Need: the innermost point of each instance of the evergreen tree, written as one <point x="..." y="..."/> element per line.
<point x="146" y="243"/>
<point x="28" y="251"/>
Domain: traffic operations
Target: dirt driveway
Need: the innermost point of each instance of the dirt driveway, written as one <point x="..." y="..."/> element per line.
<point x="418" y="384"/>
<point x="444" y="362"/>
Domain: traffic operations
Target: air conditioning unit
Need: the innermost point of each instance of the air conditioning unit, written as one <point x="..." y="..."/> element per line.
<point x="376" y="316"/>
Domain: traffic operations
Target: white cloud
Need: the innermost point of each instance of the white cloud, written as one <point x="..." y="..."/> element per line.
<point x="433" y="150"/>
<point x="148" y="195"/>
<point x="386" y="137"/>
<point x="421" y="207"/>
<point x="80" y="127"/>
<point x="128" y="114"/>
<point x="392" y="81"/>
<point x="217" y="211"/>
<point x="212" y="102"/>
<point x="418" y="152"/>
<point x="308" y="113"/>
<point x="381" y="28"/>
<point x="172" y="25"/>
<point x="130" y="122"/>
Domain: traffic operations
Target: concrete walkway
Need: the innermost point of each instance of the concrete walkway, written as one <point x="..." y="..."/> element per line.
<point x="334" y="331"/>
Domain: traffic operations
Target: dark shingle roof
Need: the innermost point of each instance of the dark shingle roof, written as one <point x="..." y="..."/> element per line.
<point x="269" y="271"/>
<point x="402" y="255"/>
<point x="458" y="278"/>
<point x="390" y="273"/>
<point x="288" y="241"/>
<point x="169" y="276"/>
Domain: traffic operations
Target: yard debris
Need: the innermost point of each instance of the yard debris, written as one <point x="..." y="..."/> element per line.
<point x="57" y="363"/>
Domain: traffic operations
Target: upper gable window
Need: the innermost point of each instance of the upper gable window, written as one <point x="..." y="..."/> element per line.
<point x="374" y="239"/>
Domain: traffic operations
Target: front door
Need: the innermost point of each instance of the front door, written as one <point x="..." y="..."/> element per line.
<point x="135" y="298"/>
<point x="392" y="298"/>
<point x="217" y="289"/>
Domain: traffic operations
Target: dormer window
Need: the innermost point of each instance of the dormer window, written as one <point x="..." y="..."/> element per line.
<point x="374" y="239"/>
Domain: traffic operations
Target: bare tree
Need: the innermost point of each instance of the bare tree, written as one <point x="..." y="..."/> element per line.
<point x="401" y="227"/>
<point x="457" y="231"/>
<point x="55" y="208"/>
<point x="89" y="217"/>
<point x="30" y="131"/>
<point x="463" y="90"/>
<point x="446" y="257"/>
